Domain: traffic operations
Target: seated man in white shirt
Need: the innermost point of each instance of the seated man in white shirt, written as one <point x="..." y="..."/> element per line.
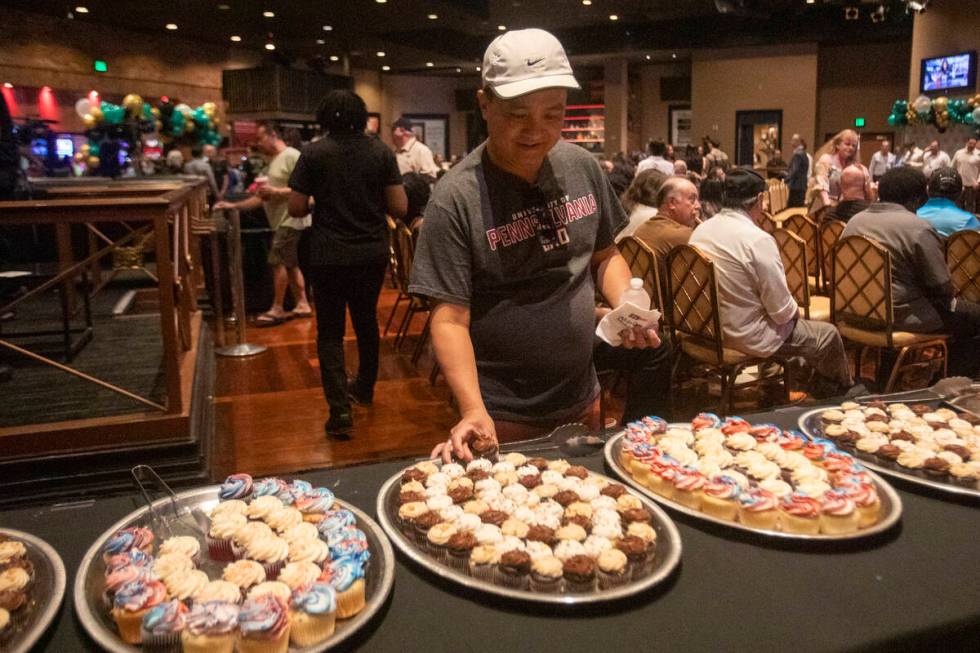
<point x="657" y="159"/>
<point x="758" y="314"/>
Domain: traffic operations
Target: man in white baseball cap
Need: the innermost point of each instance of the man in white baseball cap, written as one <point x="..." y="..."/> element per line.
<point x="517" y="236"/>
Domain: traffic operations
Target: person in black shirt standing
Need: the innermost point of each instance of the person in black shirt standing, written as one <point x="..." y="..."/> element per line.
<point x="353" y="180"/>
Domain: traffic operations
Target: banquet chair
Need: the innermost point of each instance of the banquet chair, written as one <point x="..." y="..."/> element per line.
<point x="396" y="269"/>
<point x="768" y="223"/>
<point x="783" y="215"/>
<point x="805" y="228"/>
<point x="696" y="321"/>
<point x="644" y="265"/>
<point x="861" y="308"/>
<point x="828" y="233"/>
<point x="416" y="304"/>
<point x="792" y="250"/>
<point x="963" y="260"/>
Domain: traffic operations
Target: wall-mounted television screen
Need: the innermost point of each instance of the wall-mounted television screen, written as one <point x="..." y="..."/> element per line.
<point x="954" y="71"/>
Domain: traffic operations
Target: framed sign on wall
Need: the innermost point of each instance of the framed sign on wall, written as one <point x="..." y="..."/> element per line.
<point x="679" y="119"/>
<point x="433" y="130"/>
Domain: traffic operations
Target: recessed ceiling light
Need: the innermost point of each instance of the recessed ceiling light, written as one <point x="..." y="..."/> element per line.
<point x="334" y="57"/>
<point x="433" y="16"/>
<point x="236" y="38"/>
<point x="270" y="46"/>
<point x="502" y="27"/>
<point x="459" y="70"/>
<point x="429" y="64"/>
<point x="381" y="2"/>
<point x="81" y="10"/>
<point x="586" y="2"/>
<point x="269" y="14"/>
<point x="380" y="53"/>
<point x="320" y="41"/>
<point x="613" y="17"/>
<point x="327" y="28"/>
<point x="224" y="7"/>
<point x="810" y="2"/>
<point x="648" y="57"/>
<point x="477" y="69"/>
<point x="673" y="55"/>
<point x="171" y="26"/>
<point x="386" y="68"/>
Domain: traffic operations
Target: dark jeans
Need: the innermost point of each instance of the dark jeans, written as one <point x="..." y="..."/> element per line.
<point x="648" y="380"/>
<point x="336" y="288"/>
<point x="963" y="325"/>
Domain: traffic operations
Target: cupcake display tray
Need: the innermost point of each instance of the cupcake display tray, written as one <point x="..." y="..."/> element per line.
<point x="89" y="581"/>
<point x="46" y="593"/>
<point x="810" y="424"/>
<point x="891" y="504"/>
<point x="667" y="556"/>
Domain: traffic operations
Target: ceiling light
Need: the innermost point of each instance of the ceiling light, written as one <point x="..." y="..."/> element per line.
<point x="171" y="26"/>
<point x="477" y="69"/>
<point x="81" y="10"/>
<point x="648" y="57"/>
<point x="236" y="38"/>
<point x="269" y="14"/>
<point x="459" y="70"/>
<point x="380" y="53"/>
<point x="327" y="28"/>
<point x="381" y="2"/>
<point x="433" y="16"/>
<point x="586" y="2"/>
<point x="613" y="17"/>
<point x="270" y="46"/>
<point x="224" y="7"/>
<point x="320" y="41"/>
<point x="8" y="85"/>
<point x="810" y="2"/>
<point x="918" y="6"/>
<point x="673" y="55"/>
<point x="429" y="64"/>
<point x="502" y="28"/>
<point x="386" y="68"/>
<point x="851" y="13"/>
<point x="334" y="57"/>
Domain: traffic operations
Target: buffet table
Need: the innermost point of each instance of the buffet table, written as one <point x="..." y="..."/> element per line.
<point x="916" y="586"/>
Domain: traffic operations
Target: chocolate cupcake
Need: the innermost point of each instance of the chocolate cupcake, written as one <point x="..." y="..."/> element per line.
<point x="540" y="463"/>
<point x="579" y="574"/>
<point x="566" y="497"/>
<point x="476" y="475"/>
<point x="460" y="546"/>
<point x="614" y="490"/>
<point x="959" y="450"/>
<point x="903" y="435"/>
<point x="920" y="409"/>
<point x="414" y="474"/>
<point x="539" y="533"/>
<point x="423" y="523"/>
<point x="460" y="494"/>
<point x="513" y="569"/>
<point x="936" y="467"/>
<point x="484" y="446"/>
<point x="495" y="517"/>
<point x="581" y="520"/>
<point x="636" y="515"/>
<point x="411" y="497"/>
<point x="635" y="549"/>
<point x="530" y="481"/>
<point x="889" y="452"/>
<point x="577" y="471"/>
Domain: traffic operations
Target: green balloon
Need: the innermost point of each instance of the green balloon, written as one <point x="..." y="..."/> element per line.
<point x="93" y="149"/>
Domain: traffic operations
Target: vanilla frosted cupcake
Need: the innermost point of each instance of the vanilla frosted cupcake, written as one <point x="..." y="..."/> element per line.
<point x="248" y="533"/>
<point x="438" y="537"/>
<point x="301" y="531"/>
<point x="184" y="585"/>
<point x="262" y="507"/>
<point x="171" y="563"/>
<point x="271" y="552"/>
<point x="182" y="544"/>
<point x="298" y="574"/>
<point x="219" y="590"/>
<point x="284" y="518"/>
<point x="308" y="550"/>
<point x="244" y="574"/>
<point x="219" y="539"/>
<point x="613" y="568"/>
<point x="546" y="574"/>
<point x="274" y="587"/>
<point x="483" y="560"/>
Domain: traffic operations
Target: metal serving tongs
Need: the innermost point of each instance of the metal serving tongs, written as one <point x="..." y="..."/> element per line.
<point x="946" y="388"/>
<point x="192" y="520"/>
<point x="573" y="439"/>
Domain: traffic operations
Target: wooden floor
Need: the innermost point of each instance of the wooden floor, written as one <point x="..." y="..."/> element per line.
<point x="270" y="410"/>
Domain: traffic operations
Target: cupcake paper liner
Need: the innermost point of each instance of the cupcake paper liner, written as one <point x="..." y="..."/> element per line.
<point x="220" y="549"/>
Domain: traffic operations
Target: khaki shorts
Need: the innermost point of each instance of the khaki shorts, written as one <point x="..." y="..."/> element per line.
<point x="285" y="245"/>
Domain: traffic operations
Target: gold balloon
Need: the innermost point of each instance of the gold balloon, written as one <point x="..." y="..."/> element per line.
<point x="210" y="108"/>
<point x="189" y="126"/>
<point x="216" y="122"/>
<point x="158" y="125"/>
<point x="97" y="114"/>
<point x="155" y="112"/>
<point x="133" y="102"/>
<point x="89" y="120"/>
<point x="86" y="148"/>
<point x="93" y="162"/>
<point x="79" y="157"/>
<point x="940" y="103"/>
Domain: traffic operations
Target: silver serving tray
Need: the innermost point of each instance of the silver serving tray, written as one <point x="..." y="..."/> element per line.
<point x="810" y="424"/>
<point x="891" y="504"/>
<point x="91" y="572"/>
<point x="667" y="556"/>
<point x="46" y="593"/>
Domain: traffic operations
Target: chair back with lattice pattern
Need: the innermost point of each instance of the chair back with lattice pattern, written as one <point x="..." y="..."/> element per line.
<point x="805" y="228"/>
<point x="767" y="223"/>
<point x="693" y="297"/>
<point x="963" y="259"/>
<point x="643" y="264"/>
<point x="862" y="285"/>
<point x="828" y="233"/>
<point x="792" y="250"/>
<point x="406" y="252"/>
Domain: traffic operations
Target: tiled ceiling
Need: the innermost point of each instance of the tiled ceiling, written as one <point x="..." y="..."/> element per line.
<point x="452" y="34"/>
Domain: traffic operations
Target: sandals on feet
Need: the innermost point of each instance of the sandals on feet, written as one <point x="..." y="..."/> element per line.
<point x="268" y="319"/>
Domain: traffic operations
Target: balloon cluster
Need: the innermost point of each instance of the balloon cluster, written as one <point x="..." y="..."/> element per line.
<point x="176" y="120"/>
<point x="941" y="112"/>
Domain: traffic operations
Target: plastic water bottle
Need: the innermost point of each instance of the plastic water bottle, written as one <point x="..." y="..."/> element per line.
<point x="636" y="295"/>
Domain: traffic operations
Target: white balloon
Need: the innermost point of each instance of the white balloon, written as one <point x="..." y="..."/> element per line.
<point x="922" y="104"/>
<point x="183" y="108"/>
<point x="82" y="107"/>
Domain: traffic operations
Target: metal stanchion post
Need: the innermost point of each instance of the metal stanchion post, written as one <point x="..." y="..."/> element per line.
<point x="243" y="348"/>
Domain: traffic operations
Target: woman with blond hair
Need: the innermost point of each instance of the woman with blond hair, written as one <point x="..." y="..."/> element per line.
<point x="831" y="159"/>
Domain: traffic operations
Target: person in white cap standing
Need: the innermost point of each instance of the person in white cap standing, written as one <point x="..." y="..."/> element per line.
<point x="517" y="237"/>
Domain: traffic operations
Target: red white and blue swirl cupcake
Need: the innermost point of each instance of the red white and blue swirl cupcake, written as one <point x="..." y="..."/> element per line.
<point x="315" y="505"/>
<point x="312" y="614"/>
<point x="336" y="520"/>
<point x="719" y="498"/>
<point x="758" y="508"/>
<point x="349" y="542"/>
<point x="269" y="487"/>
<point x="127" y="539"/>
<point x="263" y="623"/>
<point x="236" y="486"/>
<point x="211" y="627"/>
<point x="131" y="602"/>
<point x="346" y="577"/>
<point x="162" y="626"/>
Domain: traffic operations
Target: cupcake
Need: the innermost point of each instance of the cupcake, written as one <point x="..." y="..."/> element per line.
<point x="348" y="542"/>
<point x="758" y="509"/>
<point x="687" y="488"/>
<point x="513" y="569"/>
<point x="613" y="568"/>
<point x="251" y="531"/>
<point x="269" y="487"/>
<point x="719" y="498"/>
<point x="219" y="537"/>
<point x="314" y="506"/>
<point x="162" y="626"/>
<point x="184" y="585"/>
<point x="346" y="576"/>
<point x="244" y="574"/>
<point x="262" y="507"/>
<point x="312" y="614"/>
<point x="272" y="552"/>
<point x="838" y="514"/>
<point x="800" y="514"/>
<point x="12" y="552"/>
<point x="284" y="518"/>
<point x="128" y="539"/>
<point x="184" y="545"/>
<point x="274" y="587"/>
<point x="483" y="560"/>
<point x="437" y="538"/>
<point x="14" y="584"/>
<point x="459" y="547"/>
<point x="170" y="563"/>
<point x="263" y="624"/>
<point x="131" y="603"/>
<point x="301" y="531"/>
<point x="311" y="550"/>
<point x="210" y="627"/>
<point x="635" y="549"/>
<point x="232" y="506"/>
<point x="123" y="575"/>
<point x="298" y="574"/>
<point x="236" y="486"/>
<point x="422" y="525"/>
<point x="546" y="574"/>
<point x="335" y="519"/>
<point x="579" y="574"/>
<point x="219" y="590"/>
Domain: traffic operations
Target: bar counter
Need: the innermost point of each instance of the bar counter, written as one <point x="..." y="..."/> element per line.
<point x="916" y="587"/>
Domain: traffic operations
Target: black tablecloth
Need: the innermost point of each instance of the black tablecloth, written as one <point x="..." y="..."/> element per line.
<point x="917" y="587"/>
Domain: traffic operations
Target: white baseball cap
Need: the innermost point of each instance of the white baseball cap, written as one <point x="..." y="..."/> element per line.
<point x="524" y="61"/>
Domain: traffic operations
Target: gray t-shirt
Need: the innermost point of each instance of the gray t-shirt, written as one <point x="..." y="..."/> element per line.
<point x="518" y="255"/>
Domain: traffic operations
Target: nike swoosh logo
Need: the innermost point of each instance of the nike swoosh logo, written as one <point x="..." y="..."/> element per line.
<point x="531" y="63"/>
